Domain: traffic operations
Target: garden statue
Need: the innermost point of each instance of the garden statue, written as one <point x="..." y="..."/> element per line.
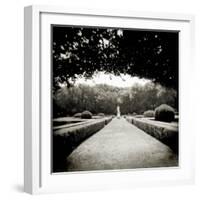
<point x="118" y="112"/>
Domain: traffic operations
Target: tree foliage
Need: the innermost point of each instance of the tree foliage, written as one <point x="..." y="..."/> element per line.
<point x="82" y="51"/>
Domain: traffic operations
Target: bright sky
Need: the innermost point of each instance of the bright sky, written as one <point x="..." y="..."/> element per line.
<point x="110" y="79"/>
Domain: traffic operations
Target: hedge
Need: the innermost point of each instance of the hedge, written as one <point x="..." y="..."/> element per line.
<point x="77" y="115"/>
<point x="149" y="113"/>
<point x="101" y="114"/>
<point x="163" y="132"/>
<point x="86" y="115"/>
<point x="67" y="139"/>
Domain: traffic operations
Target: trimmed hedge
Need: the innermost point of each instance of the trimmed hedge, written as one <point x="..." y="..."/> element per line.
<point x="166" y="134"/>
<point x="77" y="115"/>
<point x="149" y="113"/>
<point x="108" y="120"/>
<point x="138" y="116"/>
<point x="101" y="114"/>
<point x="67" y="139"/>
<point x="86" y="115"/>
<point x="164" y="113"/>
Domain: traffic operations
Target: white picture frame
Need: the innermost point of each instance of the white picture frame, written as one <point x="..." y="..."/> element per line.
<point x="37" y="152"/>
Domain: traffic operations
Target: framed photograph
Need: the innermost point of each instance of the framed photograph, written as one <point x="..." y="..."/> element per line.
<point x="106" y="99"/>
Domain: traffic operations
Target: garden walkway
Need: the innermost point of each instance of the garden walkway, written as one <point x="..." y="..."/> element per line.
<point x="120" y="145"/>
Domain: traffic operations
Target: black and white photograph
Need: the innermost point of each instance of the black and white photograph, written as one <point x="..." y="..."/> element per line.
<point x="114" y="98"/>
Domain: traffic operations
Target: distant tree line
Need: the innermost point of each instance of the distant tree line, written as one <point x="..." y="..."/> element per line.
<point x="104" y="99"/>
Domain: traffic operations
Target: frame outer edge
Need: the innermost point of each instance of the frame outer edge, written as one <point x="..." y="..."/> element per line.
<point x="31" y="81"/>
<point x="193" y="63"/>
<point x="28" y="99"/>
<point x="55" y="9"/>
<point x="32" y="100"/>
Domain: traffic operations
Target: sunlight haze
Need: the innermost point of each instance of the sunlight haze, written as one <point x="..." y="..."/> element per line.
<point x="110" y="79"/>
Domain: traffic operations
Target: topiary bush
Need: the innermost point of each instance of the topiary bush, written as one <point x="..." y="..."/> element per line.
<point x="101" y="114"/>
<point x="164" y="113"/>
<point x="77" y="115"/>
<point x="86" y="115"/>
<point x="139" y="116"/>
<point x="149" y="113"/>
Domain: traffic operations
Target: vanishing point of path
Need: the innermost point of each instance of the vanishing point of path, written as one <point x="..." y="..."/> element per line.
<point x="120" y="145"/>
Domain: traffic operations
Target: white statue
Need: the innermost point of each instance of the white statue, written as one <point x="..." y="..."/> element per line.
<point x="118" y="112"/>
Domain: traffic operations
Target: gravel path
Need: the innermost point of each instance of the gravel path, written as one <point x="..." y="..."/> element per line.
<point x="120" y="145"/>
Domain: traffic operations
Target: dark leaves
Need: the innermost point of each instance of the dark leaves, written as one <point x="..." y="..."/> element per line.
<point x="83" y="51"/>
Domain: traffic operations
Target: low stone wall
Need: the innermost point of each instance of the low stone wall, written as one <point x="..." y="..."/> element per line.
<point x="164" y="132"/>
<point x="65" y="140"/>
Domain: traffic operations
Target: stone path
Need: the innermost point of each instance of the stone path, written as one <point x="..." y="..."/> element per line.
<point x="120" y="145"/>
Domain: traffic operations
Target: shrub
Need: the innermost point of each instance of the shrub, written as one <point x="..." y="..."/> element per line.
<point x="86" y="115"/>
<point x="77" y="115"/>
<point x="149" y="113"/>
<point x="166" y="133"/>
<point x="101" y="114"/>
<point x="164" y="113"/>
<point x="67" y="139"/>
<point x="138" y="116"/>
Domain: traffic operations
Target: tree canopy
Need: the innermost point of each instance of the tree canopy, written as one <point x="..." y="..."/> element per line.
<point x="82" y="51"/>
